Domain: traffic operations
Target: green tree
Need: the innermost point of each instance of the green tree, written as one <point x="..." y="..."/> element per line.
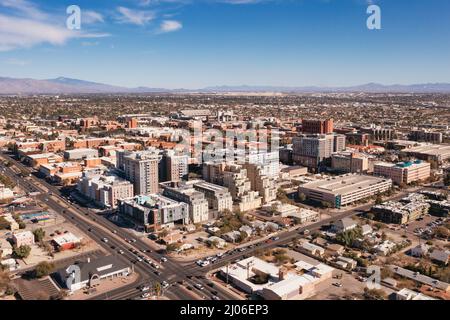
<point x="172" y="247"/>
<point x="302" y="197"/>
<point x="164" y="233"/>
<point x="374" y="294"/>
<point x="43" y="269"/>
<point x="22" y="252"/>
<point x="39" y="235"/>
<point x="242" y="236"/>
<point x="347" y="238"/>
<point x="441" y="232"/>
<point x="4" y="224"/>
<point x="326" y="204"/>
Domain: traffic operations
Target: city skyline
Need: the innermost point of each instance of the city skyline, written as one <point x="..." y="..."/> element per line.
<point x="187" y="44"/>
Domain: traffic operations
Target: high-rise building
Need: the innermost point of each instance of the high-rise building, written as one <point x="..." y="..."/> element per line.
<point x="317" y="126"/>
<point x="173" y="167"/>
<point x="141" y="168"/>
<point x="311" y="150"/>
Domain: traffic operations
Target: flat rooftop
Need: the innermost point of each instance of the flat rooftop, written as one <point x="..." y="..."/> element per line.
<point x="432" y="149"/>
<point x="344" y="184"/>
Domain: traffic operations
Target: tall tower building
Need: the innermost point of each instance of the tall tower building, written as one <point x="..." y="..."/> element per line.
<point x="173" y="167"/>
<point x="141" y="168"/>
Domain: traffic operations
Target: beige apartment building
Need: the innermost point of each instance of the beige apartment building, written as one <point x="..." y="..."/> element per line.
<point x="350" y="162"/>
<point x="219" y="198"/>
<point x="404" y="172"/>
<point x="105" y="190"/>
<point x="260" y="182"/>
<point x="234" y="177"/>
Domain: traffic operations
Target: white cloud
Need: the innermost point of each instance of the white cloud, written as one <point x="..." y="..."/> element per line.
<point x="24" y="25"/>
<point x="24" y="8"/>
<point x="138" y="17"/>
<point x="91" y="17"/>
<point x="170" y="26"/>
<point x="24" y="33"/>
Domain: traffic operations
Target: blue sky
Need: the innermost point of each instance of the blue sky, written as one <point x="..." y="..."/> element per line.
<point x="199" y="43"/>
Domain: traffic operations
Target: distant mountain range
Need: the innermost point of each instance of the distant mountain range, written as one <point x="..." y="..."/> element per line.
<point x="13" y="86"/>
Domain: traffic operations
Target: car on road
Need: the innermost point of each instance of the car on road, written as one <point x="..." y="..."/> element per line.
<point x="145" y="295"/>
<point x="275" y="238"/>
<point x="105" y="240"/>
<point x="139" y="259"/>
<point x="199" y="286"/>
<point x="145" y="288"/>
<point x="158" y="273"/>
<point x="164" y="284"/>
<point x="133" y="240"/>
<point x="163" y="259"/>
<point x="215" y="298"/>
<point x="205" y="263"/>
<point x="337" y="284"/>
<point x="114" y="231"/>
<point x="120" y="252"/>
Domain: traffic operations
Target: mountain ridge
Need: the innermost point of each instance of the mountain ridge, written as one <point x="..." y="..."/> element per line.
<point x="64" y="85"/>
